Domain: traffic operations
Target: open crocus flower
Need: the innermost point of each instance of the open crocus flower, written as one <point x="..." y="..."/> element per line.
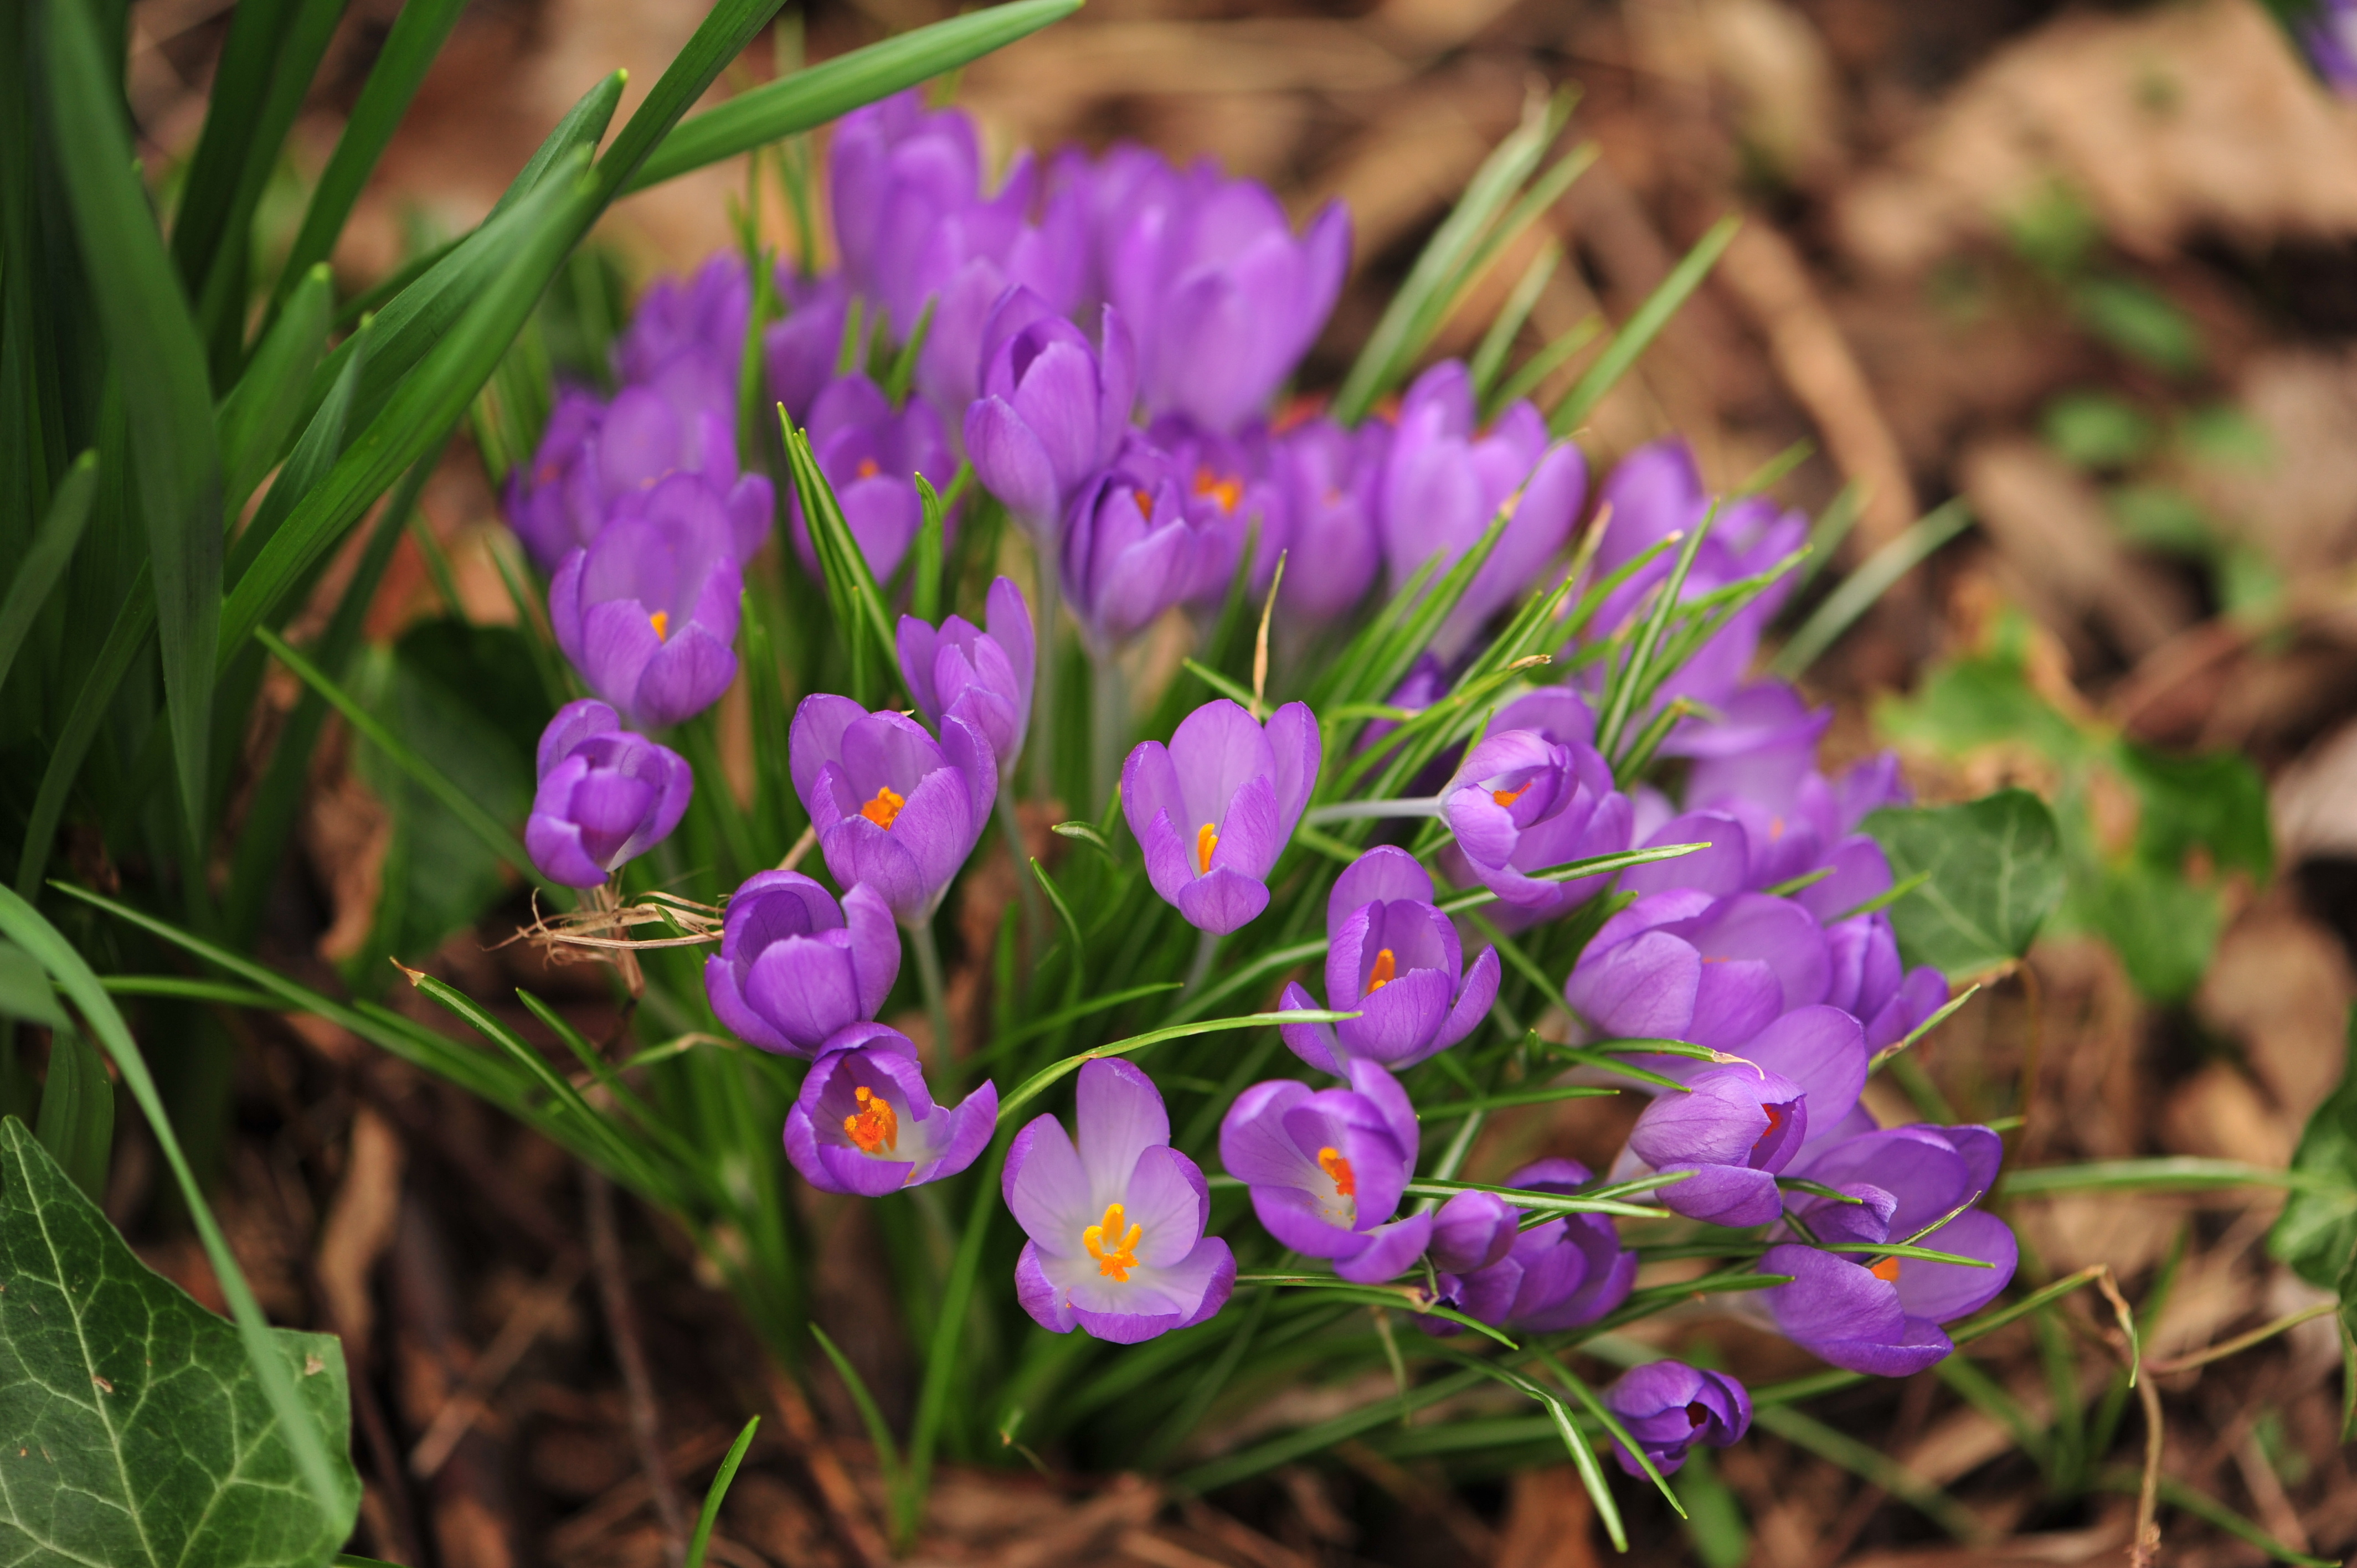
<point x="1522" y="803"/>
<point x="1227" y="488"/>
<point x="1682" y="965"/>
<point x="794" y="966"/>
<point x="1561" y="1274"/>
<point x="1326" y="1168"/>
<point x="1214" y="809"/>
<point x="1392" y="955"/>
<point x="1054" y="407"/>
<point x="1328" y="478"/>
<point x="647" y="613"/>
<point x="605" y="795"/>
<point x="866" y="1124"/>
<point x="601" y="461"/>
<point x="985" y="675"/>
<point x="1732" y="1130"/>
<point x="870" y="452"/>
<point x="1883" y="1315"/>
<point x="892" y="807"/>
<point x="1668" y="1407"/>
<point x="1136" y="543"/>
<point x="1116" y="1223"/>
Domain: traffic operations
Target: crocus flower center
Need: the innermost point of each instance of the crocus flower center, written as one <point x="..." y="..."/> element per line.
<point x="1385" y="971"/>
<point x="1336" y="1168"/>
<point x="1207" y="839"/>
<point x="1115" y="1251"/>
<point x="1887" y="1271"/>
<point x="1697" y="1415"/>
<point x="1508" y="797"/>
<point x="1227" y="491"/>
<point x="885" y="810"/>
<point x="660" y="621"/>
<point x="875" y="1126"/>
<point x="866" y="469"/>
<point x="1775" y="1124"/>
<point x="1145" y="500"/>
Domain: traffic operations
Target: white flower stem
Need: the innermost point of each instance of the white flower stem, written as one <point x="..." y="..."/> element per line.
<point x="937" y="1007"/>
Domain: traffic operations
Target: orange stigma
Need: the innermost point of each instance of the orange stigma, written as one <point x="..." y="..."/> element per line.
<point x="1346" y="1181"/>
<point x="1775" y="1124"/>
<point x="1384" y="971"/>
<point x="1115" y="1253"/>
<point x="1207" y="839"/>
<point x="1226" y="492"/>
<point x="1508" y="797"/>
<point x="866" y="469"/>
<point x="1885" y="1271"/>
<point x="875" y="1127"/>
<point x="660" y="621"/>
<point x="1145" y="500"/>
<point x="885" y="810"/>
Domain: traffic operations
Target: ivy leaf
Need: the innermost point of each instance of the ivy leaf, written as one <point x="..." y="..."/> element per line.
<point x="2316" y="1234"/>
<point x="1995" y="872"/>
<point x="133" y="1431"/>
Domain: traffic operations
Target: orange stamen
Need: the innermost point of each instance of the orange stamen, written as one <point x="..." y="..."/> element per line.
<point x="1207" y="839"/>
<point x="885" y="808"/>
<point x="1384" y="971"/>
<point x="875" y="1127"/>
<point x="660" y="621"/>
<point x="1115" y="1253"/>
<point x="1346" y="1180"/>
<point x="866" y="469"/>
<point x="1145" y="500"/>
<point x="1885" y="1271"/>
<point x="1508" y="797"/>
<point x="1227" y="491"/>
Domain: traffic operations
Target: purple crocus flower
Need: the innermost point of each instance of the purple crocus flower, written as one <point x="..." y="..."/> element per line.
<point x="641" y="454"/>
<point x="1053" y="408"/>
<point x="1225" y="299"/>
<point x="897" y="175"/>
<point x="647" y="613"/>
<point x="605" y="795"/>
<point x="870" y="452"/>
<point x="1883" y="1315"/>
<point x="686" y="338"/>
<point x="1733" y="1128"/>
<point x="1522" y="803"/>
<point x="1215" y="808"/>
<point x="1330" y="480"/>
<point x="1443" y="483"/>
<point x="1227" y="488"/>
<point x="1136" y="543"/>
<point x="794" y="966"/>
<point x="1393" y="955"/>
<point x="892" y="807"/>
<point x="2330" y="35"/>
<point x="1116" y="1223"/>
<point x="800" y="349"/>
<point x="1682" y="965"/>
<point x="986" y="675"/>
<point x="866" y="1124"/>
<point x="1327" y="1169"/>
<point x="1668" y="1407"/>
<point x="1561" y="1274"/>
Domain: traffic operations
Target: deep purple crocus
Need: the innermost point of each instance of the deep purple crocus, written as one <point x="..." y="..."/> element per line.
<point x="1682" y="965"/>
<point x="1443" y="483"/>
<point x="985" y="675"/>
<point x="866" y="1124"/>
<point x="870" y="452"/>
<point x="1136" y="543"/>
<point x="1561" y="1274"/>
<point x="1116" y="1246"/>
<point x="1668" y="1407"/>
<point x="686" y="336"/>
<point x="605" y="795"/>
<point x="647" y="613"/>
<point x="1883" y="1315"/>
<point x="642" y="455"/>
<point x="1521" y="803"/>
<point x="1330" y="480"/>
<point x="2330" y="35"/>
<point x="1215" y="808"/>
<point x="1731" y="1131"/>
<point x="1053" y="407"/>
<point x="1392" y="955"/>
<point x="800" y="349"/>
<point x="892" y="807"/>
<point x="1327" y="1169"/>
<point x="794" y="966"/>
<point x="1228" y="487"/>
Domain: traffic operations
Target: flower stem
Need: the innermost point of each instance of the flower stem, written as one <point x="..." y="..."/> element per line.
<point x="1041" y="736"/>
<point x="1207" y="946"/>
<point x="937" y="1007"/>
<point x="1358" y="811"/>
<point x="1108" y="723"/>
<point x="1026" y="888"/>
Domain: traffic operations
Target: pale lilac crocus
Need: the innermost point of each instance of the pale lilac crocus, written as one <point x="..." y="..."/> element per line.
<point x="794" y="966"/>
<point x="1215" y="808"/>
<point x="1327" y="1168"/>
<point x="1229" y="487"/>
<point x="1682" y="965"/>
<point x="647" y="613"/>
<point x="892" y="807"/>
<point x="1729" y="1132"/>
<point x="1395" y="958"/>
<point x="801" y="349"/>
<point x="1668" y="1407"/>
<point x="984" y="674"/>
<point x="1561" y="1274"/>
<point x="1116" y="1218"/>
<point x="1053" y="408"/>
<point x="1330" y="480"/>
<point x="1521" y="804"/>
<point x="1136" y="543"/>
<point x="866" y="1124"/>
<point x="871" y="453"/>
<point x="687" y="336"/>
<point x="605" y="796"/>
<point x="641" y="454"/>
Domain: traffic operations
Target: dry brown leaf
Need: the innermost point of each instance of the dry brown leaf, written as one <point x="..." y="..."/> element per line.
<point x="359" y="1229"/>
<point x="2298" y="503"/>
<point x="1548" y="1521"/>
<point x="2217" y="1114"/>
<point x="2280" y="984"/>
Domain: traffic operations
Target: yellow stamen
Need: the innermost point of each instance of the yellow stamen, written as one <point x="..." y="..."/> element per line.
<point x="866" y="469"/>
<point x="660" y="621"/>
<point x="875" y="1127"/>
<point x="885" y="808"/>
<point x="1115" y="1253"/>
<point x="1228" y="492"/>
<point x="1346" y="1180"/>
<point x="1385" y="971"/>
<point x="1207" y="839"/>
<point x="1885" y="1271"/>
<point x="1508" y="797"/>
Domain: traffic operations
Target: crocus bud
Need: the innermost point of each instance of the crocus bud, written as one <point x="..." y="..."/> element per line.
<point x="1393" y="957"/>
<point x="1327" y="1169"/>
<point x="864" y="1124"/>
<point x="1732" y="1130"/>
<point x="1330" y="479"/>
<point x="1136" y="543"/>
<point x="1560" y="1273"/>
<point x="1472" y="1230"/>
<point x="1521" y="803"/>
<point x="1116" y="1223"/>
<point x="799" y="349"/>
<point x="605" y="795"/>
<point x="870" y="454"/>
<point x="892" y="807"/>
<point x="794" y="966"/>
<point x="647" y="612"/>
<point x="1668" y="1407"/>
<point x="1053" y="408"/>
<point x="1215" y="808"/>
<point x="986" y="675"/>
<point x="687" y="336"/>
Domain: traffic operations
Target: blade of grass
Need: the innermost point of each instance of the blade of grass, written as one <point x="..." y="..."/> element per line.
<point x="879" y="1432"/>
<point x="45" y="562"/>
<point x="1637" y="333"/>
<point x="1040" y="1083"/>
<point x="1872" y="1465"/>
<point x="260" y="411"/>
<point x="125" y="640"/>
<point x="701" y="1541"/>
<point x="1873" y="579"/>
<point x="1489" y="358"/>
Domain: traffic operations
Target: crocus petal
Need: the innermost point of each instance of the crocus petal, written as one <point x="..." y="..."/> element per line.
<point x="1389" y="1250"/>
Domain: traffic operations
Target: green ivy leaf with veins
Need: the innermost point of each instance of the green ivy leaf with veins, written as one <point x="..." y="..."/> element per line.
<point x="132" y="1431"/>
<point x="1995" y="872"/>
